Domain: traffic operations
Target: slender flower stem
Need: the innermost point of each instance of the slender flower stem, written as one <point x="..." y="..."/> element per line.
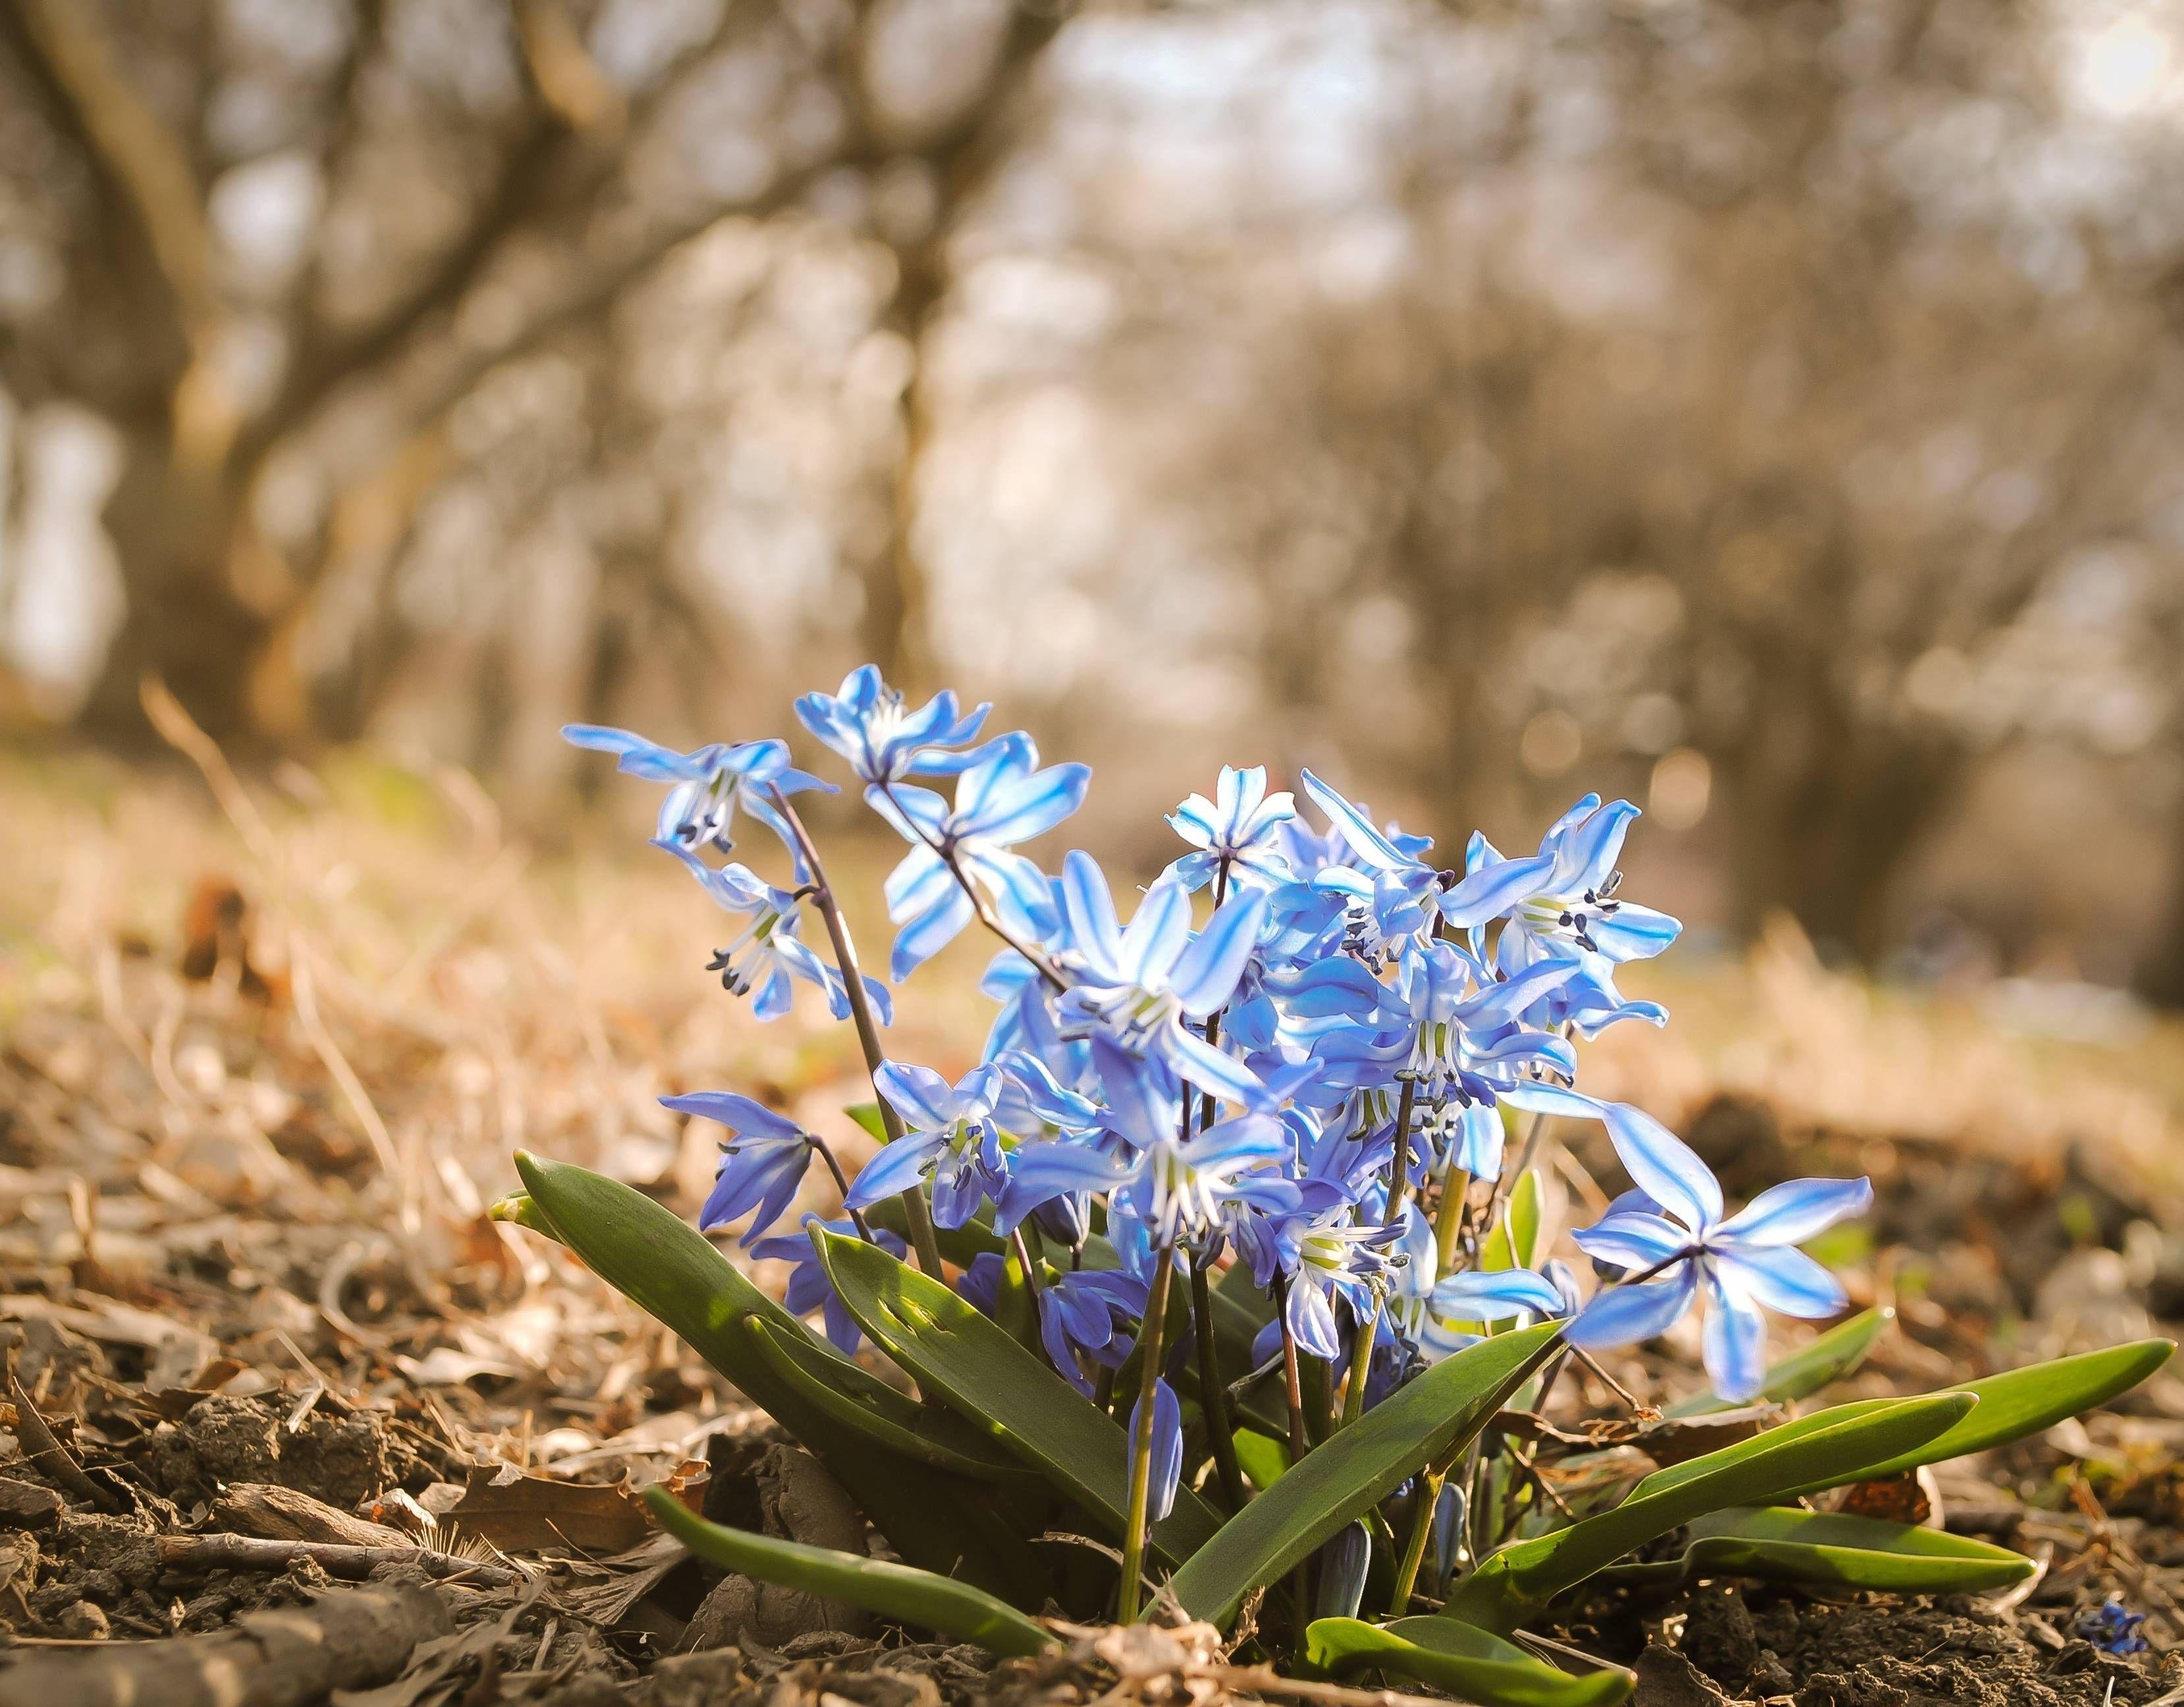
<point x="1368" y="1321"/>
<point x="1526" y="1154"/>
<point x="1449" y="1215"/>
<point x="1207" y="1103"/>
<point x="1212" y="1396"/>
<point x="841" y="1184"/>
<point x="914" y="1209"/>
<point x="1141" y="1436"/>
<point x="1030" y="1267"/>
<point x="1301" y="1578"/>
<point x="1041" y="963"/>
<point x="1414" y="1550"/>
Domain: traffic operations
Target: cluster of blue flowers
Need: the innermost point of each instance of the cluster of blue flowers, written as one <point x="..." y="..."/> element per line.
<point x="1312" y="1072"/>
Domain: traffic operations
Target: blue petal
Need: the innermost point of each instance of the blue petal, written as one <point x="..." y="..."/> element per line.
<point x="1735" y="1342"/>
<point x="1311" y="1321"/>
<point x="925" y="1100"/>
<point x="1167" y="1448"/>
<point x="927" y="935"/>
<point x="1210" y="1070"/>
<point x="1031" y="807"/>
<point x="738" y="1114"/>
<point x="919" y="883"/>
<point x="1586" y="853"/>
<point x="1483" y="1137"/>
<point x="1783" y="1278"/>
<point x="1157" y="934"/>
<point x="1492" y="890"/>
<point x="1364" y="837"/>
<point x="1206" y="976"/>
<point x="1626" y="1315"/>
<point x="1665" y="1166"/>
<point x="898" y="1167"/>
<point x="1495" y="1295"/>
<point x="1022" y="893"/>
<point x="1794" y="1211"/>
<point x="1091" y="905"/>
<point x="1632" y="933"/>
<point x="1632" y="1242"/>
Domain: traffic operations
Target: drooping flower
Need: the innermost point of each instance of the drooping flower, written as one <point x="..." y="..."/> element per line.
<point x="1135" y="988"/>
<point x="708" y="782"/>
<point x="1093" y="1312"/>
<point x="2113" y="1627"/>
<point x="1436" y="1313"/>
<point x="950" y="1138"/>
<point x="1238" y="828"/>
<point x="1166" y="1449"/>
<point x="867" y="722"/>
<point x="808" y="1289"/>
<point x="770" y="951"/>
<point x="762" y="1162"/>
<point x="1002" y="800"/>
<point x="1672" y="1226"/>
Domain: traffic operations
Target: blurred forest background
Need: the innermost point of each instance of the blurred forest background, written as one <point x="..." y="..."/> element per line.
<point x="1773" y="412"/>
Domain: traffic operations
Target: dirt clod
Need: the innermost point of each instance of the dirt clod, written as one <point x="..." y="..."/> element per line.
<point x="338" y="1460"/>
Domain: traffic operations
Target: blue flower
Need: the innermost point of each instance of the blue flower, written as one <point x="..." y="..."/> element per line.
<point x="808" y="1289"/>
<point x="1329" y="1256"/>
<point x="1673" y="1226"/>
<point x="709" y="783"/>
<point x="1436" y="1312"/>
<point x="1136" y="987"/>
<point x="1238" y="828"/>
<point x="1092" y="1312"/>
<point x="1166" y="1449"/>
<point x="769" y="951"/>
<point x="1002" y="799"/>
<point x="2113" y="1628"/>
<point x="1570" y="892"/>
<point x="761" y="1165"/>
<point x="867" y="724"/>
<point x="1175" y="1189"/>
<point x="951" y="1137"/>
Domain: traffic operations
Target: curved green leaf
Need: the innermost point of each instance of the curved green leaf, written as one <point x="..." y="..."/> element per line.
<point x="660" y="1262"/>
<point x="521" y="1210"/>
<point x="955" y="1353"/>
<point x="899" y="1592"/>
<point x="1262" y="1458"/>
<point x="1833" y="1549"/>
<point x="1829" y="1357"/>
<point x="1511" y="1585"/>
<point x="2019" y="1402"/>
<point x="923" y="1432"/>
<point x="1440" y="1411"/>
<point x="1467" y="1662"/>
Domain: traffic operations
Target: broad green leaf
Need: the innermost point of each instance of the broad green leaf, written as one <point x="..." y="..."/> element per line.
<point x="899" y="1592"/>
<point x="955" y="1353"/>
<point x="1831" y="1357"/>
<point x="961" y="1246"/>
<point x="920" y="1432"/>
<point x="664" y="1265"/>
<point x="2019" y="1402"/>
<point x="867" y="1115"/>
<point x="1833" y="1549"/>
<point x="1511" y="1585"/>
<point x="1262" y="1458"/>
<point x="1466" y="1662"/>
<point x="1356" y="1470"/>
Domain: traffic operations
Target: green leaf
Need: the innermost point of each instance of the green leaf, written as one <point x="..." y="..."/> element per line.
<point x="924" y="1432"/>
<point x="664" y="1265"/>
<point x="955" y="1353"/>
<point x="899" y="1592"/>
<point x="1466" y="1662"/>
<point x="1833" y="1549"/>
<point x="2019" y="1402"/>
<point x="1511" y="1585"/>
<point x="1440" y="1411"/>
<point x="1515" y="1240"/>
<point x="1263" y="1459"/>
<point x="1831" y="1357"/>
<point x="867" y="1115"/>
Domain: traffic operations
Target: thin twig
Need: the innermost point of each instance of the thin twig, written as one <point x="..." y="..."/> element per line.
<point x="337" y="1559"/>
<point x="42" y="1447"/>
